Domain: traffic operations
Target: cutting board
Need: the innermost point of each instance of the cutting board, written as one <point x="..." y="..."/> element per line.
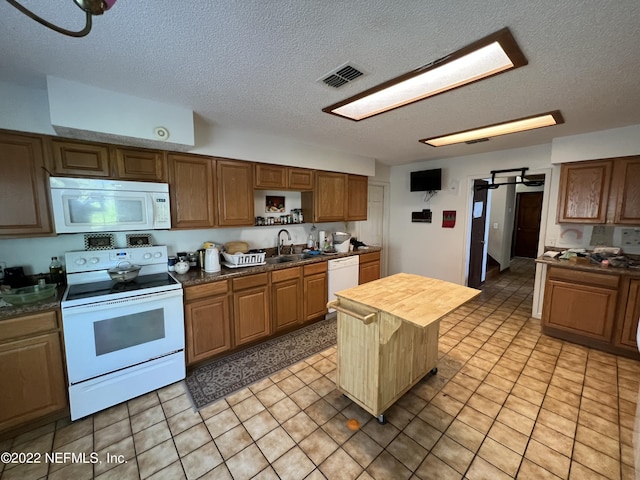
<point x="236" y="247"/>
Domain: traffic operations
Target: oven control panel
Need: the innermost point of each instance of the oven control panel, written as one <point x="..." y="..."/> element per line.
<point x="91" y="260"/>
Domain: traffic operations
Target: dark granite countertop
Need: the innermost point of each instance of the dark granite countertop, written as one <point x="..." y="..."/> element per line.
<point x="195" y="276"/>
<point x="589" y="267"/>
<point x="192" y="277"/>
<point x="51" y="303"/>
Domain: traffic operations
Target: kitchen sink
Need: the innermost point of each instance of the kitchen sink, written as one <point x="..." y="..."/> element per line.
<point x="294" y="257"/>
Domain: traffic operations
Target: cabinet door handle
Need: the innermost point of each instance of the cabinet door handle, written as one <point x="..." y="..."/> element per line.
<point x="366" y="319"/>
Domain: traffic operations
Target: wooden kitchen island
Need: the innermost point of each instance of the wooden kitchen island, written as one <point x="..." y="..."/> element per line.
<point x="388" y="336"/>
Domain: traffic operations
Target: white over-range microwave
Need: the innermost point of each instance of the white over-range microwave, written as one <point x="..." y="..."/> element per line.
<point x="85" y="205"/>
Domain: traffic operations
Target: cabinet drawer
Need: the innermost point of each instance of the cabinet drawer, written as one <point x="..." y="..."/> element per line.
<point x="369" y="257"/>
<point x="28" y="325"/>
<point x="590" y="278"/>
<point x="205" y="290"/>
<point x="250" y="281"/>
<point x="314" y="268"/>
<point x="287" y="274"/>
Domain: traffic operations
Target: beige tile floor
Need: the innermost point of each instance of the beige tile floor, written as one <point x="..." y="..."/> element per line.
<point x="507" y="402"/>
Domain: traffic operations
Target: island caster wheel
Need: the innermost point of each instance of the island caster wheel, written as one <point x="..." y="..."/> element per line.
<point x="434" y="370"/>
<point x="382" y="419"/>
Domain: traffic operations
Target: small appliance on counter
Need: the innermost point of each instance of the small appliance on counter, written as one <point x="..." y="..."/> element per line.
<point x="341" y="241"/>
<point x="15" y="277"/>
<point x="211" y="260"/>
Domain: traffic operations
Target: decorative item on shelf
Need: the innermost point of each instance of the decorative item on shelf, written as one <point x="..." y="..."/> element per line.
<point x="274" y="204"/>
<point x="99" y="241"/>
<point x="139" y="240"/>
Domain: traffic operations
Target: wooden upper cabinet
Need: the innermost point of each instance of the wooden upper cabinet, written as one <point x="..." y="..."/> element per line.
<point x="23" y="186"/>
<point x="235" y="192"/>
<point x="80" y="159"/>
<point x="278" y="177"/>
<point x="270" y="176"/>
<point x="300" y="178"/>
<point x="357" y="196"/>
<point x="584" y="191"/>
<point x="138" y="164"/>
<point x="97" y="160"/>
<point x="326" y="203"/>
<point x="192" y="191"/>
<point x="600" y="192"/>
<point x="626" y="175"/>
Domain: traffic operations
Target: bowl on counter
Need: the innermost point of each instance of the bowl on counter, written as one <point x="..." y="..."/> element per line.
<point x="27" y="295"/>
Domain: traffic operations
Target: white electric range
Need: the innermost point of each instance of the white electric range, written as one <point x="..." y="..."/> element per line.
<point x="121" y="339"/>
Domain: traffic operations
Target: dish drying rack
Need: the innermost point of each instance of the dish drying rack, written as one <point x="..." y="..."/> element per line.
<point x="243" y="259"/>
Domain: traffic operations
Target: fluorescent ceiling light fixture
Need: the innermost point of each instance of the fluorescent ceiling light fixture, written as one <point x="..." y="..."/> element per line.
<point x="512" y="126"/>
<point x="489" y="56"/>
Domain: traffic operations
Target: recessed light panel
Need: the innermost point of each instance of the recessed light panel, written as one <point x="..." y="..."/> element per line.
<point x="513" y="126"/>
<point x="494" y="54"/>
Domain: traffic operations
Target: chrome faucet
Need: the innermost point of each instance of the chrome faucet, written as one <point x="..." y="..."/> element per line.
<point x="281" y="243"/>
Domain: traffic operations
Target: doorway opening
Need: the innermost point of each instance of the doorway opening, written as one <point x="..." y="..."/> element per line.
<point x="505" y="223"/>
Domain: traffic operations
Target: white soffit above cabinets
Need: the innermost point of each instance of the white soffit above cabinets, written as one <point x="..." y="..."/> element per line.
<point x="91" y="113"/>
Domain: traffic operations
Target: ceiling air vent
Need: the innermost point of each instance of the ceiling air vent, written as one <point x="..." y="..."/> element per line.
<point x="479" y="140"/>
<point x="341" y="76"/>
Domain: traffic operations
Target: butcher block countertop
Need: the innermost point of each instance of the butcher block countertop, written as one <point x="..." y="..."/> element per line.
<point x="412" y="298"/>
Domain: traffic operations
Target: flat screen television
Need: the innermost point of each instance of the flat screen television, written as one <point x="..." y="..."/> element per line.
<point x="426" y="180"/>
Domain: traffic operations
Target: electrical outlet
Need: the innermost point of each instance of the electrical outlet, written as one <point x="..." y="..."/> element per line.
<point x="2" y="267"/>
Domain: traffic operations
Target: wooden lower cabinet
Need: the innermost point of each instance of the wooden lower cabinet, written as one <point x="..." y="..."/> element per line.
<point x="207" y="321"/>
<point x="316" y="290"/>
<point x="630" y="316"/>
<point x="578" y="302"/>
<point x="287" y="295"/>
<point x="599" y="310"/>
<point x="369" y="267"/>
<point x="251" y="308"/>
<point x="31" y="370"/>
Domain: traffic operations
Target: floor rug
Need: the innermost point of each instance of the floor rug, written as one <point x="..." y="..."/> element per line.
<point x="215" y="380"/>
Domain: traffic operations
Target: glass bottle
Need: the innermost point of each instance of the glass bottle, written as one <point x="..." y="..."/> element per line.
<point x="56" y="272"/>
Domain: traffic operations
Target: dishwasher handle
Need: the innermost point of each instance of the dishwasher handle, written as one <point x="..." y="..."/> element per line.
<point x="366" y="319"/>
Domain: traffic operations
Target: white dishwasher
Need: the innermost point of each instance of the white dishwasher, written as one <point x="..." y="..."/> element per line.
<point x="343" y="274"/>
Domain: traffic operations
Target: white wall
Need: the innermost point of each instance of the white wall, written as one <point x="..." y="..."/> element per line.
<point x="35" y="253"/>
<point x="427" y="248"/>
<point x="618" y="142"/>
<point x="501" y="223"/>
<point x="27" y="109"/>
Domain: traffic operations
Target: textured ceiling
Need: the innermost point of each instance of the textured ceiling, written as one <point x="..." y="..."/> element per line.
<point x="255" y="64"/>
